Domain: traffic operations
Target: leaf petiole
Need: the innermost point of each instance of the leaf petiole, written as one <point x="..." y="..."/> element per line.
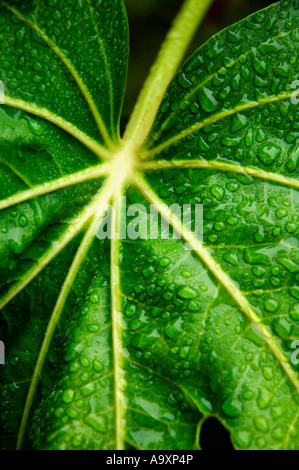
<point x="169" y="58"/>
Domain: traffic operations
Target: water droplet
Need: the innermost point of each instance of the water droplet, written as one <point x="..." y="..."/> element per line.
<point x="232" y="408"/>
<point x="267" y="372"/>
<point x="278" y="433"/>
<point x="148" y="272"/>
<point x="68" y="396"/>
<point x="23" y="221"/>
<point x="156" y="312"/>
<point x="268" y="153"/>
<point x="217" y="191"/>
<point x="231" y="258"/>
<point x="183" y="81"/>
<point x="271" y="305"/>
<point x="261" y="423"/>
<point x="254" y="335"/>
<point x="264" y="398"/>
<point x="164" y="262"/>
<point x="35" y="126"/>
<point x="97" y="365"/>
<point x="248" y="394"/>
<point x="294" y="313"/>
<point x="243" y="438"/>
<point x="94" y="298"/>
<point x="98" y="423"/>
<point x="187" y="292"/>
<point x="233" y="187"/>
<point x="207" y="99"/>
<point x="78" y="440"/>
<point x="282" y="327"/>
<point x="88" y="390"/>
<point x="130" y="310"/>
<point x="239" y="121"/>
<point x="259" y="271"/>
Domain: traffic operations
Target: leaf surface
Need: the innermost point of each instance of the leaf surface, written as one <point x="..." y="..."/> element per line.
<point x="119" y="344"/>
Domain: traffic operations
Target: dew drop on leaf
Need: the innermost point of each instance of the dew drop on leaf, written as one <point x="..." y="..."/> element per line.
<point x="268" y="153"/>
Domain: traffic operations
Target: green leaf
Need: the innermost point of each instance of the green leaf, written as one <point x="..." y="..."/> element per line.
<point x="132" y="343"/>
<point x="68" y="61"/>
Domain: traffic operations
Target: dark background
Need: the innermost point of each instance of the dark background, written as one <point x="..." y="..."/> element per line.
<point x="149" y="21"/>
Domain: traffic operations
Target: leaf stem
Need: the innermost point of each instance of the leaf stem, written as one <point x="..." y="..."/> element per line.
<point x="169" y="58"/>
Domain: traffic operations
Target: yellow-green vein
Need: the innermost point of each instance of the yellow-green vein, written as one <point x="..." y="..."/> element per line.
<point x="60" y="122"/>
<point x="219" y="166"/>
<point x="16" y="172"/>
<point x="211" y="120"/>
<point x="69" y="180"/>
<point x="115" y="314"/>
